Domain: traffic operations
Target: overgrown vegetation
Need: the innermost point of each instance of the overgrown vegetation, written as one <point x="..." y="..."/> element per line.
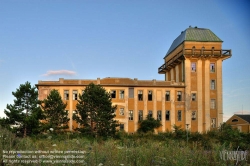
<point x="145" y="149"/>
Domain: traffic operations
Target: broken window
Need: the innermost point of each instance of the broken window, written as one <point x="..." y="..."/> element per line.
<point x="113" y="94"/>
<point x="140" y="116"/>
<point x="150" y="114"/>
<point x="159" y="115"/>
<point x="212" y="67"/>
<point x="179" y="96"/>
<point x="167" y="115"/>
<point x="75" y="94"/>
<point x="121" y="111"/>
<point x="140" y="95"/>
<point x="66" y="95"/>
<point x="121" y="94"/>
<point x="212" y="85"/>
<point x="150" y="95"/>
<point x="193" y="67"/>
<point x="193" y="96"/>
<point x="179" y="115"/>
<point x="167" y="96"/>
<point x="130" y="115"/>
<point x="193" y="115"/>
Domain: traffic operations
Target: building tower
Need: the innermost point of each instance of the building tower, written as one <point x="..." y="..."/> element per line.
<point x="195" y="59"/>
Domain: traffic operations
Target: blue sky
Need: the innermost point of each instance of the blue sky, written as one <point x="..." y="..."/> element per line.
<point x="48" y="40"/>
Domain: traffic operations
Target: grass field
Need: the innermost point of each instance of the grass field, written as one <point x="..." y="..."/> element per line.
<point x="125" y="150"/>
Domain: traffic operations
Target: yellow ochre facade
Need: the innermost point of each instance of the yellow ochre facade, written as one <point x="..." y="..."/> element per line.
<point x="190" y="95"/>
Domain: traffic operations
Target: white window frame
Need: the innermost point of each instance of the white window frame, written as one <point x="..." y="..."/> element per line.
<point x="74" y="94"/>
<point x="66" y="94"/>
<point x="193" y="67"/>
<point x="121" y="94"/>
<point x="212" y="84"/>
<point x="130" y="115"/>
<point x="121" y="111"/>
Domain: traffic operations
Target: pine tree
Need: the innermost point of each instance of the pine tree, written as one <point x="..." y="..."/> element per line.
<point x="25" y="109"/>
<point x="94" y="111"/>
<point x="56" y="116"/>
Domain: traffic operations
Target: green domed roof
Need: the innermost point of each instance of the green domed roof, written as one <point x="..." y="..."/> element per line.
<point x="194" y="34"/>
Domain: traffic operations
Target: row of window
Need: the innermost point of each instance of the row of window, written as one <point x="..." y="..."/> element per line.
<point x="193" y="67"/>
<point x="140" y="95"/>
<point x="213" y="124"/>
<point x="159" y="115"/>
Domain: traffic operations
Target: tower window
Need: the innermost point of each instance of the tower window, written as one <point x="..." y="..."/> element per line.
<point x="130" y="115"/>
<point x="193" y="115"/>
<point x="212" y="85"/>
<point x="179" y="96"/>
<point x="159" y="115"/>
<point x="167" y="96"/>
<point x="193" y="96"/>
<point x="212" y="67"/>
<point x="193" y="67"/>
<point x="150" y="95"/>
<point x="179" y="115"/>
<point x="140" y="117"/>
<point x="213" y="122"/>
<point x="167" y="115"/>
<point x="140" y="95"/>
<point x="212" y="104"/>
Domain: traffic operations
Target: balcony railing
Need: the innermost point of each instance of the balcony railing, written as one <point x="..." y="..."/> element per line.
<point x="193" y="53"/>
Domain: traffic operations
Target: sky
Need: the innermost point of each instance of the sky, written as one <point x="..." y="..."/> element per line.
<point x="48" y="40"/>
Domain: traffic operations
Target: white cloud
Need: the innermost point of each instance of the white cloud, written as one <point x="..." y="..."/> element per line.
<point x="59" y="72"/>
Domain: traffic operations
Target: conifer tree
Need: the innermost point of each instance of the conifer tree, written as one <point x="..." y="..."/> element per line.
<point x="56" y="116"/>
<point x="25" y="110"/>
<point x="95" y="113"/>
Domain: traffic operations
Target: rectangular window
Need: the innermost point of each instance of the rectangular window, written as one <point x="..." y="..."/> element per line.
<point x="150" y="114"/>
<point x="179" y="96"/>
<point x="212" y="85"/>
<point x="212" y="104"/>
<point x="122" y="127"/>
<point x="131" y="92"/>
<point x="150" y="95"/>
<point x="130" y="115"/>
<point x="121" y="94"/>
<point x="75" y="94"/>
<point x="167" y="96"/>
<point x="193" y="115"/>
<point x="193" y="96"/>
<point x="167" y="115"/>
<point x="113" y="94"/>
<point x="140" y="95"/>
<point x="66" y="95"/>
<point x="179" y="115"/>
<point x="121" y="111"/>
<point x="212" y="67"/>
<point x="140" y="117"/>
<point x="159" y="115"/>
<point x="213" y="123"/>
<point x="193" y="67"/>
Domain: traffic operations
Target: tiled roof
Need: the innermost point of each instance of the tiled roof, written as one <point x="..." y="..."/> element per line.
<point x="194" y="34"/>
<point x="245" y="117"/>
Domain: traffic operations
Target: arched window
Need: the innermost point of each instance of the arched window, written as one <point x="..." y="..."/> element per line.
<point x="235" y="120"/>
